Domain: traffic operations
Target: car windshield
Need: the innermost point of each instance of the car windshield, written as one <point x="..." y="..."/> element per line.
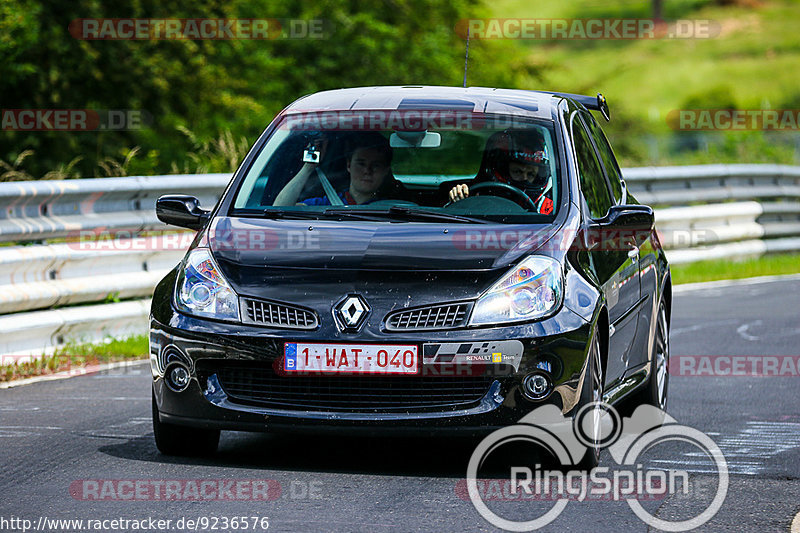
<point x="443" y="166"/>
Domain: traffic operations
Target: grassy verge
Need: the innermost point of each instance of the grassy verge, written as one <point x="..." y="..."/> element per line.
<point x="749" y="62"/>
<point x="768" y="265"/>
<point x="77" y="355"/>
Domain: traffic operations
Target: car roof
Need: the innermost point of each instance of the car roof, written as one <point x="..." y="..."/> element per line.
<point x="420" y="97"/>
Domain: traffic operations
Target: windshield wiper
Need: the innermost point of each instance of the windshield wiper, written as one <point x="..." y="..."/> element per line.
<point x="286" y="214"/>
<point x="435" y="215"/>
<point x="409" y="214"/>
<point x="394" y="212"/>
<point x="289" y="214"/>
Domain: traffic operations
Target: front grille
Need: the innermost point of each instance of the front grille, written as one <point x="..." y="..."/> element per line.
<point x="266" y="313"/>
<point x="422" y="318"/>
<point x="261" y="386"/>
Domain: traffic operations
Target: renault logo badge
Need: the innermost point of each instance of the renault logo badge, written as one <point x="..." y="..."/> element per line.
<point x="351" y="312"/>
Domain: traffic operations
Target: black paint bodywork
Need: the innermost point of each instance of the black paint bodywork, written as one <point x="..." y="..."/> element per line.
<point x="394" y="265"/>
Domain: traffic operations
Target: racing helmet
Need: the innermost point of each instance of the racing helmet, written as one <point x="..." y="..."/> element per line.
<point x="521" y="146"/>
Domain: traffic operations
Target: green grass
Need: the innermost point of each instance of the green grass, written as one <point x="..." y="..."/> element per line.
<point x="768" y="265"/>
<point x="76" y="355"/>
<point x="751" y="64"/>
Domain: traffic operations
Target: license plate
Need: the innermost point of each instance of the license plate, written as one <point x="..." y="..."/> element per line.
<point x="351" y="358"/>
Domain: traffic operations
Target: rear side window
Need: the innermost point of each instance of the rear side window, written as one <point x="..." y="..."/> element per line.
<point x="593" y="183"/>
<point x="606" y="155"/>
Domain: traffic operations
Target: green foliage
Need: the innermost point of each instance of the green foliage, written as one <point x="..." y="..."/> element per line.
<point x="75" y="356"/>
<point x="13" y="171"/>
<point x="738" y="146"/>
<point x="222" y="154"/>
<point x="717" y="97"/>
<point x="767" y="265"/>
<point x="210" y="99"/>
<point x="750" y="62"/>
<point x="111" y="298"/>
<point x="210" y="87"/>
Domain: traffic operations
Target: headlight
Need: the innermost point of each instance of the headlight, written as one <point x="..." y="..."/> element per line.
<point x="202" y="291"/>
<point x="531" y="290"/>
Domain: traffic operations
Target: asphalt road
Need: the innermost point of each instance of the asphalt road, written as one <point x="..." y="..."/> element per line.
<point x="55" y="434"/>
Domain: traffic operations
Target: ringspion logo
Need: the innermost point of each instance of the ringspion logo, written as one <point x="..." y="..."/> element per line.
<point x="595" y="425"/>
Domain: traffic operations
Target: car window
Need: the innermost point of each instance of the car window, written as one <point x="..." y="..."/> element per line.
<point x="353" y="160"/>
<point x="606" y="156"/>
<point x="593" y="182"/>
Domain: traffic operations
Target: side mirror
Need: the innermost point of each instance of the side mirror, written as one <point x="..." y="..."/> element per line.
<point x="622" y="223"/>
<point x="635" y="217"/>
<point x="181" y="210"/>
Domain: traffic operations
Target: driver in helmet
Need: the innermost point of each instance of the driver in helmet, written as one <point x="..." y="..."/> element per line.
<point x="516" y="158"/>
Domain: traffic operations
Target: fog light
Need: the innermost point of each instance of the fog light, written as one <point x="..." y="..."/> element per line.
<point x="177" y="377"/>
<point x="536" y="386"/>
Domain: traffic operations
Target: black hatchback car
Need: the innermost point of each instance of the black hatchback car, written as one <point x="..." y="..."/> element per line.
<point x="411" y="259"/>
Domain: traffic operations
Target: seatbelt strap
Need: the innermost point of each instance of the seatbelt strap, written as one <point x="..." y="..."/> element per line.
<point x="330" y="192"/>
<point x="540" y="200"/>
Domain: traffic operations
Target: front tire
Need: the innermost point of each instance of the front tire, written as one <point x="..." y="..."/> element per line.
<point x="180" y="440"/>
<point x="592" y="393"/>
<point x="655" y="391"/>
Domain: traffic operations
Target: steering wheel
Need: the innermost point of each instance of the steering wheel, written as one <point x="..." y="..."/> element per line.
<point x="504" y="190"/>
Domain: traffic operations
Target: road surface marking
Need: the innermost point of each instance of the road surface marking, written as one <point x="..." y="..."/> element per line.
<point x="742" y="331"/>
<point x="697" y="327"/>
<point x="747" y="452"/>
<point x="688" y="287"/>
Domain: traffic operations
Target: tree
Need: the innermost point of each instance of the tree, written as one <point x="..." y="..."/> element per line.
<point x="210" y="86"/>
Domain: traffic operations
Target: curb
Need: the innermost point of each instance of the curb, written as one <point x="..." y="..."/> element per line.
<point x="83" y="371"/>
<point x="687" y="287"/>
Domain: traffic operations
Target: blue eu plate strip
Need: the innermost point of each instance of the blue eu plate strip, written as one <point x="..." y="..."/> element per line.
<point x="290" y="361"/>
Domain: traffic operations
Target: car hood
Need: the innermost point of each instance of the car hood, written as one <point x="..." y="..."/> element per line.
<point x="364" y="245"/>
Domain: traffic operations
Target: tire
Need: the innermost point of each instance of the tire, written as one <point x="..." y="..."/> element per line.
<point x="592" y="392"/>
<point x="181" y="440"/>
<point x="655" y="391"/>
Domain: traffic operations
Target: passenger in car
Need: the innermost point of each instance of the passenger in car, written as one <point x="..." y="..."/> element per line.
<point x="517" y="158"/>
<point x="369" y="165"/>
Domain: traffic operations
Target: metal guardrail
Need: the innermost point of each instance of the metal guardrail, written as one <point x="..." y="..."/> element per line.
<point x="119" y="264"/>
<point x="31" y="210"/>
<point x="712" y="183"/>
<point x="726" y="211"/>
<point x="702" y="212"/>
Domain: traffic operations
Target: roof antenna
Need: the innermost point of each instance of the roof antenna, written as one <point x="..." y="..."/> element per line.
<point x="466" y="59"/>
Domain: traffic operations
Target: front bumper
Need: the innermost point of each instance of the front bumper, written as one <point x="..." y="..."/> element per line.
<point x="556" y="346"/>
